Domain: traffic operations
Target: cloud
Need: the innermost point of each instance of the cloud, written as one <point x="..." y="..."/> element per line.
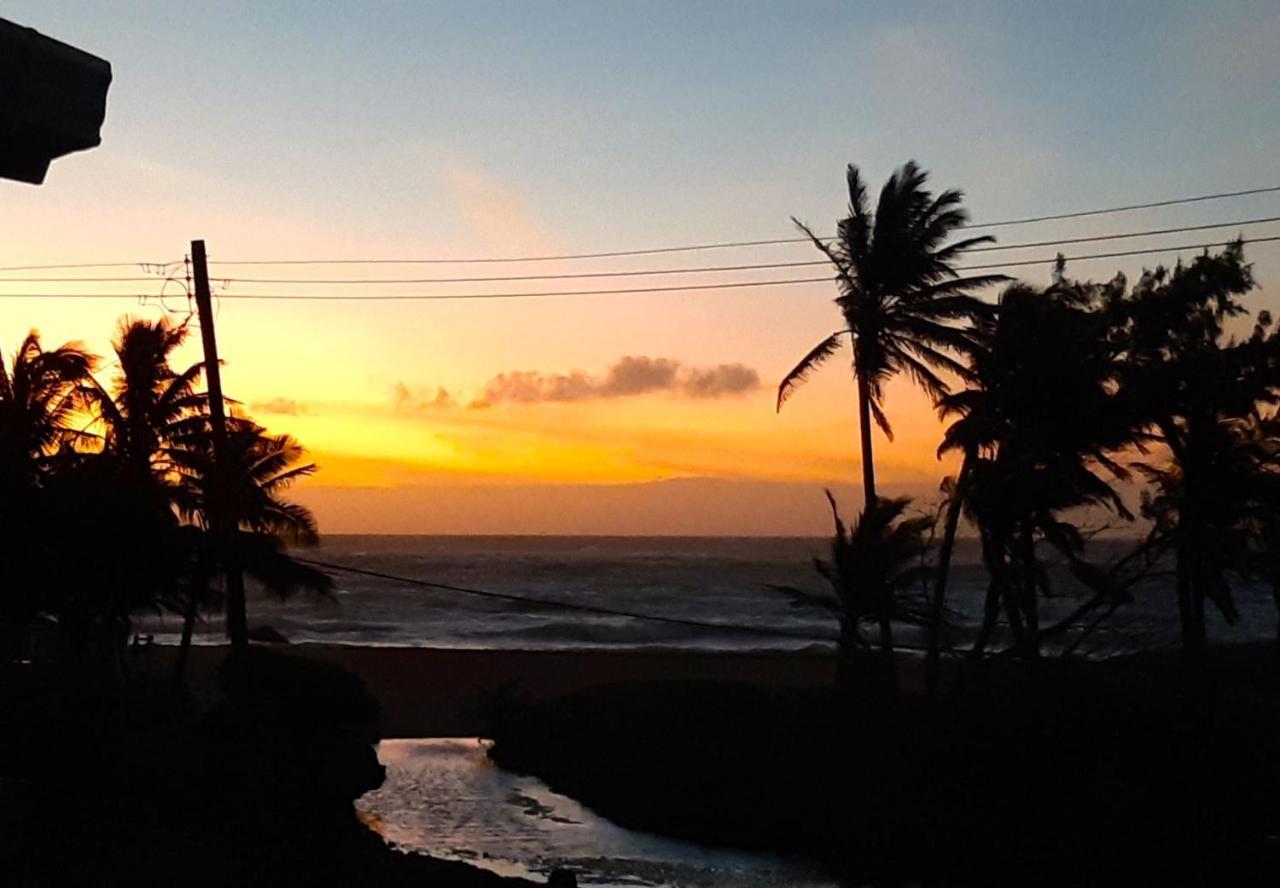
<point x="720" y="381"/>
<point x="280" y="406"/>
<point x="639" y="375"/>
<point x="407" y="400"/>
<point x="629" y="376"/>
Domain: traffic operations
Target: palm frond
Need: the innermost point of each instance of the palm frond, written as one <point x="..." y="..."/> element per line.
<point x="816" y="357"/>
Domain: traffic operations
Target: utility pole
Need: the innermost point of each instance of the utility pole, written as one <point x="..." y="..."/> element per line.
<point x="223" y="530"/>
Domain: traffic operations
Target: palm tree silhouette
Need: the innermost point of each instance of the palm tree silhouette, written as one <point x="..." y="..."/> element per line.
<point x="1039" y="418"/>
<point x="244" y="487"/>
<point x="147" y="408"/>
<point x="41" y="394"/>
<point x="41" y="398"/>
<point x="149" y="401"/>
<point x="883" y="550"/>
<point x="900" y="295"/>
<point x="900" y="298"/>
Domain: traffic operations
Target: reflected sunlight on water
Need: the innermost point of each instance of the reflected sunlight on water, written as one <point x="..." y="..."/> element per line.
<point x="445" y="798"/>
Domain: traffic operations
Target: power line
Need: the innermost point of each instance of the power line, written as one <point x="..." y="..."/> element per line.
<point x="674" y="249"/>
<point x="705" y="269"/>
<point x="566" y="605"/>
<point x="710" y="269"/>
<point x="1027" y="220"/>
<point x="385" y="297"/>
<point x="1070" y="259"/>
<point x="1151" y="232"/>
<point x="728" y="285"/>
<point x="137" y="264"/>
<point x="1223" y="195"/>
<point x="75" y="280"/>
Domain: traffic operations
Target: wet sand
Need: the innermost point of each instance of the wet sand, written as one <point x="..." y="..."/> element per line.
<point x="431" y="692"/>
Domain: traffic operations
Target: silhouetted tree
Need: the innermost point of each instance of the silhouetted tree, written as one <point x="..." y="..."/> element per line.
<point x="148" y="401"/>
<point x="1260" y="435"/>
<point x="1038" y="420"/>
<point x="119" y="555"/>
<point x="901" y="299"/>
<point x="41" y="395"/>
<point x="147" y="406"/>
<point x="1200" y="390"/>
<point x="244" y="487"/>
<point x="883" y="550"/>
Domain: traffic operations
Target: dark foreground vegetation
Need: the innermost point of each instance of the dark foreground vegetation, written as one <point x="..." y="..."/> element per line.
<point x="108" y="784"/>
<point x="124" y="497"/>
<point x="1061" y="772"/>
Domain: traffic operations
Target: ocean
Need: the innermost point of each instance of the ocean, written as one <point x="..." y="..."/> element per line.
<point x="727" y="581"/>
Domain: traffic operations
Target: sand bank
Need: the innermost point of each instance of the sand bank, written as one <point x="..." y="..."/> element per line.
<point x="432" y="692"/>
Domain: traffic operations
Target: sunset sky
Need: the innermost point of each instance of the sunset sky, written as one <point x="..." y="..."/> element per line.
<point x="416" y="130"/>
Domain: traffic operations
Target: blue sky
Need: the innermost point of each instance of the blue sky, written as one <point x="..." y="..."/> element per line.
<point x="639" y="122"/>
<point x="434" y="129"/>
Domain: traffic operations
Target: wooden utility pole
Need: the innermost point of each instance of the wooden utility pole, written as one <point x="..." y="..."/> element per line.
<point x="223" y="529"/>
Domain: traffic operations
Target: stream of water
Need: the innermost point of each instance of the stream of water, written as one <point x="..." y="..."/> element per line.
<point x="444" y="797"/>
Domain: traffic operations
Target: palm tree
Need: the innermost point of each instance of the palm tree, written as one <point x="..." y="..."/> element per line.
<point x="148" y="401"/>
<point x="244" y="488"/>
<point x="1038" y="419"/>
<point x="954" y="491"/>
<point x="41" y="396"/>
<point x="883" y="550"/>
<point x="900" y="298"/>
<point x="141" y="414"/>
<point x="900" y="295"/>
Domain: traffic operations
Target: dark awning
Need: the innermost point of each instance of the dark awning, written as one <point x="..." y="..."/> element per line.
<point x="53" y="99"/>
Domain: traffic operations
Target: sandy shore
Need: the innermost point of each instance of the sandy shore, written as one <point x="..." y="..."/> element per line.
<point x="430" y="692"/>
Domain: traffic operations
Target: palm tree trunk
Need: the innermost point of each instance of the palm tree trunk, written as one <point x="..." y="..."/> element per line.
<point x="1013" y="613"/>
<point x="1275" y="594"/>
<point x="885" y="605"/>
<point x="1191" y="616"/>
<point x="990" y="614"/>
<point x="1003" y="586"/>
<point x="933" y="659"/>
<point x="1029" y="594"/>
<point x="198" y="590"/>
<point x="237" y="618"/>
<point x="846" y="664"/>
<point x="864" y="429"/>
<point x="233" y="585"/>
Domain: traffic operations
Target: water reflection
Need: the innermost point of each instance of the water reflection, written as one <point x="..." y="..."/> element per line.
<point x="444" y="797"/>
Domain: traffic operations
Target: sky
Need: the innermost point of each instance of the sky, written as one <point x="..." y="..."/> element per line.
<point x="450" y="131"/>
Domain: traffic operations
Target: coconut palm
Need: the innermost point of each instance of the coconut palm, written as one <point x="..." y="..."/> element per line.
<point x="244" y="488"/>
<point x="140" y="412"/>
<point x="901" y="299"/>
<point x="1038" y="421"/>
<point x="41" y="396"/>
<point x="148" y="400"/>
<point x="883" y="550"/>
<point x="900" y="296"/>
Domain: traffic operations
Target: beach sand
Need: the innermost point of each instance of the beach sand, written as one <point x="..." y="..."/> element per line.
<point x="432" y="692"/>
